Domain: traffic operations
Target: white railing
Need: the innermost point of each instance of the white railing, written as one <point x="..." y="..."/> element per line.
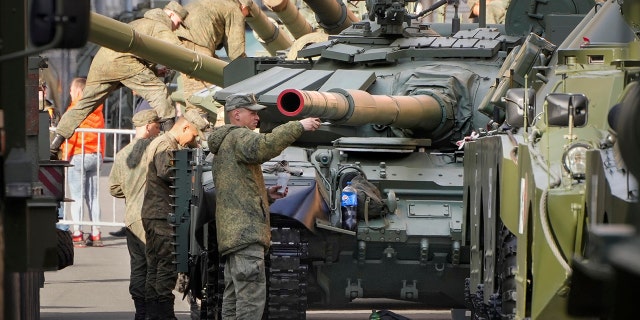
<point x="103" y="189"/>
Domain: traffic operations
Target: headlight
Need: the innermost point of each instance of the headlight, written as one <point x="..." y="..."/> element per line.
<point x="575" y="160"/>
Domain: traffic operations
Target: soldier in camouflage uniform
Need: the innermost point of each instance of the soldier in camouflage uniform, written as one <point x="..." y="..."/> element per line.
<point x="126" y="180"/>
<point x="496" y="10"/>
<point x="161" y="271"/>
<point x="242" y="206"/>
<point x="110" y="69"/>
<point x="211" y="25"/>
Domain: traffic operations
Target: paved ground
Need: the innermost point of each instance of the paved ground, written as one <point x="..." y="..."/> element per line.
<point x="96" y="286"/>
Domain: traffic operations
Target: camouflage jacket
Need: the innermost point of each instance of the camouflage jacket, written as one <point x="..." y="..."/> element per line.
<point x="215" y="23"/>
<point x="158" y="159"/>
<point x="126" y="180"/>
<point x="109" y="65"/>
<point x="242" y="206"/>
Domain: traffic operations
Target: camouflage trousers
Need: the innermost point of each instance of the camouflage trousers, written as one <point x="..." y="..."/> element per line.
<point x="138" y="261"/>
<point x="189" y="85"/>
<point x="146" y="84"/>
<point x="245" y="285"/>
<point x="161" y="271"/>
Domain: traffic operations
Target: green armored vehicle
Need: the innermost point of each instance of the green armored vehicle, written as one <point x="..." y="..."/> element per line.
<point x="397" y="98"/>
<point x="540" y="188"/>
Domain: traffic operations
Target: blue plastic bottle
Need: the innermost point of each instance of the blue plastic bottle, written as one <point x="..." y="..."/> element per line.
<point x="349" y="205"/>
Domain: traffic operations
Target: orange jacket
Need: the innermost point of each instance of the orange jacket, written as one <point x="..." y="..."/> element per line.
<point x="94" y="120"/>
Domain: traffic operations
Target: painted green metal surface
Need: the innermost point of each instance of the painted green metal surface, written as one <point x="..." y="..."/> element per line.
<point x="549" y="209"/>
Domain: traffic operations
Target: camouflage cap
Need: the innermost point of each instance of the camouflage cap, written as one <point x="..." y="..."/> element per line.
<point x="144" y="117"/>
<point x="197" y="120"/>
<point x="178" y="9"/>
<point x="242" y="100"/>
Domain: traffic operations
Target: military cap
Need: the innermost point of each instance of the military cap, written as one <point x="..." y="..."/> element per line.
<point x="144" y="117"/>
<point x="178" y="9"/>
<point x="197" y="120"/>
<point x="242" y="100"/>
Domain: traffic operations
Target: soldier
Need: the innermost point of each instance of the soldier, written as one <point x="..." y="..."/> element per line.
<point x="127" y="180"/>
<point x="161" y="272"/>
<point x="242" y="208"/>
<point x="496" y="10"/>
<point x="211" y="25"/>
<point x="110" y="69"/>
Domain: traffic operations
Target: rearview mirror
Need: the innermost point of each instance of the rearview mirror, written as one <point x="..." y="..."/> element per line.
<point x="562" y="105"/>
<point x="59" y="23"/>
<point x="514" y="101"/>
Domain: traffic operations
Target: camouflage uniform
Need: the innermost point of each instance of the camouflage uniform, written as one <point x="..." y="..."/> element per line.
<point x="125" y="182"/>
<point x="211" y="24"/>
<point x="242" y="211"/>
<point x="496" y="10"/>
<point x="161" y="272"/>
<point x="109" y="69"/>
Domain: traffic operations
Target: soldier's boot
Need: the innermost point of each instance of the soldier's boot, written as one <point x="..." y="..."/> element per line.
<point x="165" y="310"/>
<point x="141" y="309"/>
<point x="54" y="148"/>
<point x="151" y="307"/>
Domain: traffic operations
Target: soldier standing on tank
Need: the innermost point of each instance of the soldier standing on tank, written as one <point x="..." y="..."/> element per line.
<point x="110" y="69"/>
<point x="156" y="207"/>
<point x="127" y="180"/>
<point x="242" y="206"/>
<point x="211" y="25"/>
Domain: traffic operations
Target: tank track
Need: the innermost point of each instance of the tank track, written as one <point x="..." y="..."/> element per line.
<point x="501" y="305"/>
<point x="287" y="273"/>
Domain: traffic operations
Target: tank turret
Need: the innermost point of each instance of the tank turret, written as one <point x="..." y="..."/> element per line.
<point x="121" y="37"/>
<point x="290" y="16"/>
<point x="267" y="31"/>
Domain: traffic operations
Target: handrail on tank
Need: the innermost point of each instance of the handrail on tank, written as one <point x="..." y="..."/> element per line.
<point x="121" y="37"/>
<point x="357" y="107"/>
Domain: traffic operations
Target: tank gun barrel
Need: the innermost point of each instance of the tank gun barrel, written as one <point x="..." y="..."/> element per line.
<point x="332" y="15"/>
<point x="290" y="16"/>
<point x="357" y="107"/>
<point x="268" y="32"/>
<point x="121" y="37"/>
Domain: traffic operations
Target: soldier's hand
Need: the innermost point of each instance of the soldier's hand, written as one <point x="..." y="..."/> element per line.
<point x="274" y="194"/>
<point x="310" y="124"/>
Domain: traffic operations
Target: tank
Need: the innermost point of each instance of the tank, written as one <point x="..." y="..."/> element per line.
<point x="545" y="191"/>
<point x="397" y="100"/>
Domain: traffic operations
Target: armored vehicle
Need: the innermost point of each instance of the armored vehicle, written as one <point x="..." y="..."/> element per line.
<point x="397" y="99"/>
<point x="542" y="190"/>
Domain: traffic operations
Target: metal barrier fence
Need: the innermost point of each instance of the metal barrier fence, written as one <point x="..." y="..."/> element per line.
<point x="116" y="137"/>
